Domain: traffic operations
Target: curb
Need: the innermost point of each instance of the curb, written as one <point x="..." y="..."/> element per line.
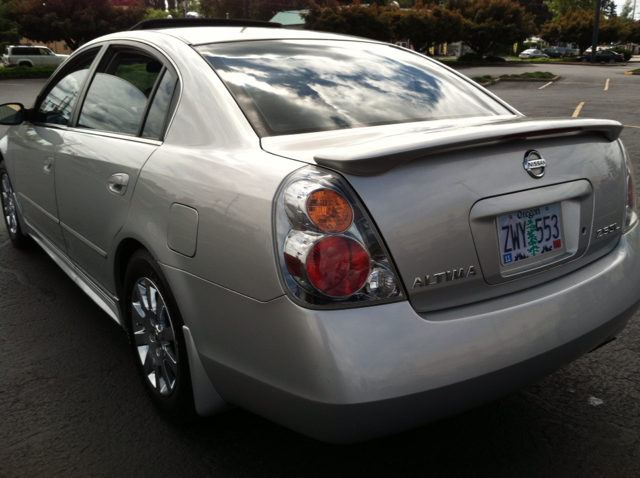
<point x="516" y="63"/>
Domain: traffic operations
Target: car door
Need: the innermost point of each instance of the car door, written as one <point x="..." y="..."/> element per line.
<point x="34" y="56"/>
<point x="35" y="144"/>
<point x="119" y="125"/>
<point x="46" y="57"/>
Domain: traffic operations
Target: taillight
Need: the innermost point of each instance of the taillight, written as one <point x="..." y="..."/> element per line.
<point x="631" y="216"/>
<point x="330" y="253"/>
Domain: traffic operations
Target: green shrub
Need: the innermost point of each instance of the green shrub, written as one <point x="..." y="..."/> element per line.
<point x="624" y="51"/>
<point x="482" y="79"/>
<point x="470" y="57"/>
<point x="534" y="74"/>
<point x="27" y="72"/>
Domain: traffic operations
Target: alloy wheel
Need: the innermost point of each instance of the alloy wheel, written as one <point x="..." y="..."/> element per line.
<point x="9" y="206"/>
<point x="154" y="336"/>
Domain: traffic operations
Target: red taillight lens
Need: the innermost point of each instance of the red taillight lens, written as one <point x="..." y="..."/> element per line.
<point x="337" y="266"/>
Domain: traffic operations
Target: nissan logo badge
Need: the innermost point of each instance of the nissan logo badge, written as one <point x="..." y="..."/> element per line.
<point x="534" y="164"/>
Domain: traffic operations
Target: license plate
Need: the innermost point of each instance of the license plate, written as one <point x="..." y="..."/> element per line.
<point x="529" y="233"/>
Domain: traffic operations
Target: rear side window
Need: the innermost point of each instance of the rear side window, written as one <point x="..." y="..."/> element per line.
<point x="117" y="98"/>
<point x="158" y="112"/>
<point x="287" y="87"/>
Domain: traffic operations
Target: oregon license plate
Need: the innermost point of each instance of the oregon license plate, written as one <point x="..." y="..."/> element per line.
<point x="529" y="233"/>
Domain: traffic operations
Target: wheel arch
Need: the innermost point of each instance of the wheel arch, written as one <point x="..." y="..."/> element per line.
<point x="125" y="250"/>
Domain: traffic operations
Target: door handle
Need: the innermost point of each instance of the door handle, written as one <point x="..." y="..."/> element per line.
<point x="48" y="165"/>
<point x="118" y="183"/>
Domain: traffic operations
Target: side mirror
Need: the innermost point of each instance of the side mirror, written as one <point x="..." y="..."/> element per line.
<point x="12" y="113"/>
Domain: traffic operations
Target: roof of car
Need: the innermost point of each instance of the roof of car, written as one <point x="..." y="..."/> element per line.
<point x="200" y="35"/>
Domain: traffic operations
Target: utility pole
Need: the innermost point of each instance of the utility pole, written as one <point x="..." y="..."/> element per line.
<point x="596" y="27"/>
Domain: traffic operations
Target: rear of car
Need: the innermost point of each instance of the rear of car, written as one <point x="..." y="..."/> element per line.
<point x="484" y="242"/>
<point x="357" y="239"/>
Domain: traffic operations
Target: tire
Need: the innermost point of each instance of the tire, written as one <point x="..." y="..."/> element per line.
<point x="613" y="60"/>
<point x="24" y="63"/>
<point x="584" y="59"/>
<point x="10" y="211"/>
<point x="157" y="340"/>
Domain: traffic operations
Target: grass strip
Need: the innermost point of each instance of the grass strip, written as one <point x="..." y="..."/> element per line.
<point x="534" y="74"/>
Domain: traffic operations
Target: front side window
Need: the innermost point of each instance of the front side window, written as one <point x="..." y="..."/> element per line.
<point x="117" y="98"/>
<point x="287" y="87"/>
<point x="58" y="104"/>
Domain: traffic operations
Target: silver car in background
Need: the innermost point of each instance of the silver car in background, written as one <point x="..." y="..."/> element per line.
<point x="340" y="235"/>
<point x="532" y="54"/>
<point x="30" y="55"/>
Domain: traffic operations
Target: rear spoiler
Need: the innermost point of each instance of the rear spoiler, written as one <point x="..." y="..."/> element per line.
<point x="381" y="155"/>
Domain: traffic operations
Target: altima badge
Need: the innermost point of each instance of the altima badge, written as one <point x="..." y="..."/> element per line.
<point x="443" y="277"/>
<point x="534" y="164"/>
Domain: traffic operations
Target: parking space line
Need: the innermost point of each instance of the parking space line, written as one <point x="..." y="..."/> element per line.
<point x="629" y="126"/>
<point x="544" y="86"/>
<point x="577" y="111"/>
<point x="606" y="86"/>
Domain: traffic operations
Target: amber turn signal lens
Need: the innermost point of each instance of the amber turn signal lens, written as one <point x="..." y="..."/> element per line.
<point x="329" y="210"/>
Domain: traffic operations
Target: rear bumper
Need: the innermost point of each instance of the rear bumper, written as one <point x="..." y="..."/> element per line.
<point x="351" y="375"/>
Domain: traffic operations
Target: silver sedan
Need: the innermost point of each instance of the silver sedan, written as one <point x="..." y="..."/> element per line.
<point x="340" y="235"/>
<point x="532" y="53"/>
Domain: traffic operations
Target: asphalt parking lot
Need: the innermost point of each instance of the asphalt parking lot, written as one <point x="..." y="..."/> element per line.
<point x="71" y="403"/>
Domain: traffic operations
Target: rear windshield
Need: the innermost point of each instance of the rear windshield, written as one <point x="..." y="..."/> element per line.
<point x="287" y="87"/>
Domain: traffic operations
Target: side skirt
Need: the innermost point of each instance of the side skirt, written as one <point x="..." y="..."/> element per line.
<point x="104" y="300"/>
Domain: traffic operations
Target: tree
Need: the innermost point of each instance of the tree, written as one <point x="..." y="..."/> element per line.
<point x="634" y="32"/>
<point x="155" y="4"/>
<point x="577" y="27"/>
<point x="560" y="7"/>
<point x="152" y="14"/>
<point x="258" y="9"/>
<point x="539" y="10"/>
<point x="627" y="11"/>
<point x="8" y="27"/>
<point x="355" y="19"/>
<point x="73" y="21"/>
<point x="492" y="22"/>
<point x="426" y="26"/>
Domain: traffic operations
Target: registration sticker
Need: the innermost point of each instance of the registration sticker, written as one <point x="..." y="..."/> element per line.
<point x="529" y="233"/>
